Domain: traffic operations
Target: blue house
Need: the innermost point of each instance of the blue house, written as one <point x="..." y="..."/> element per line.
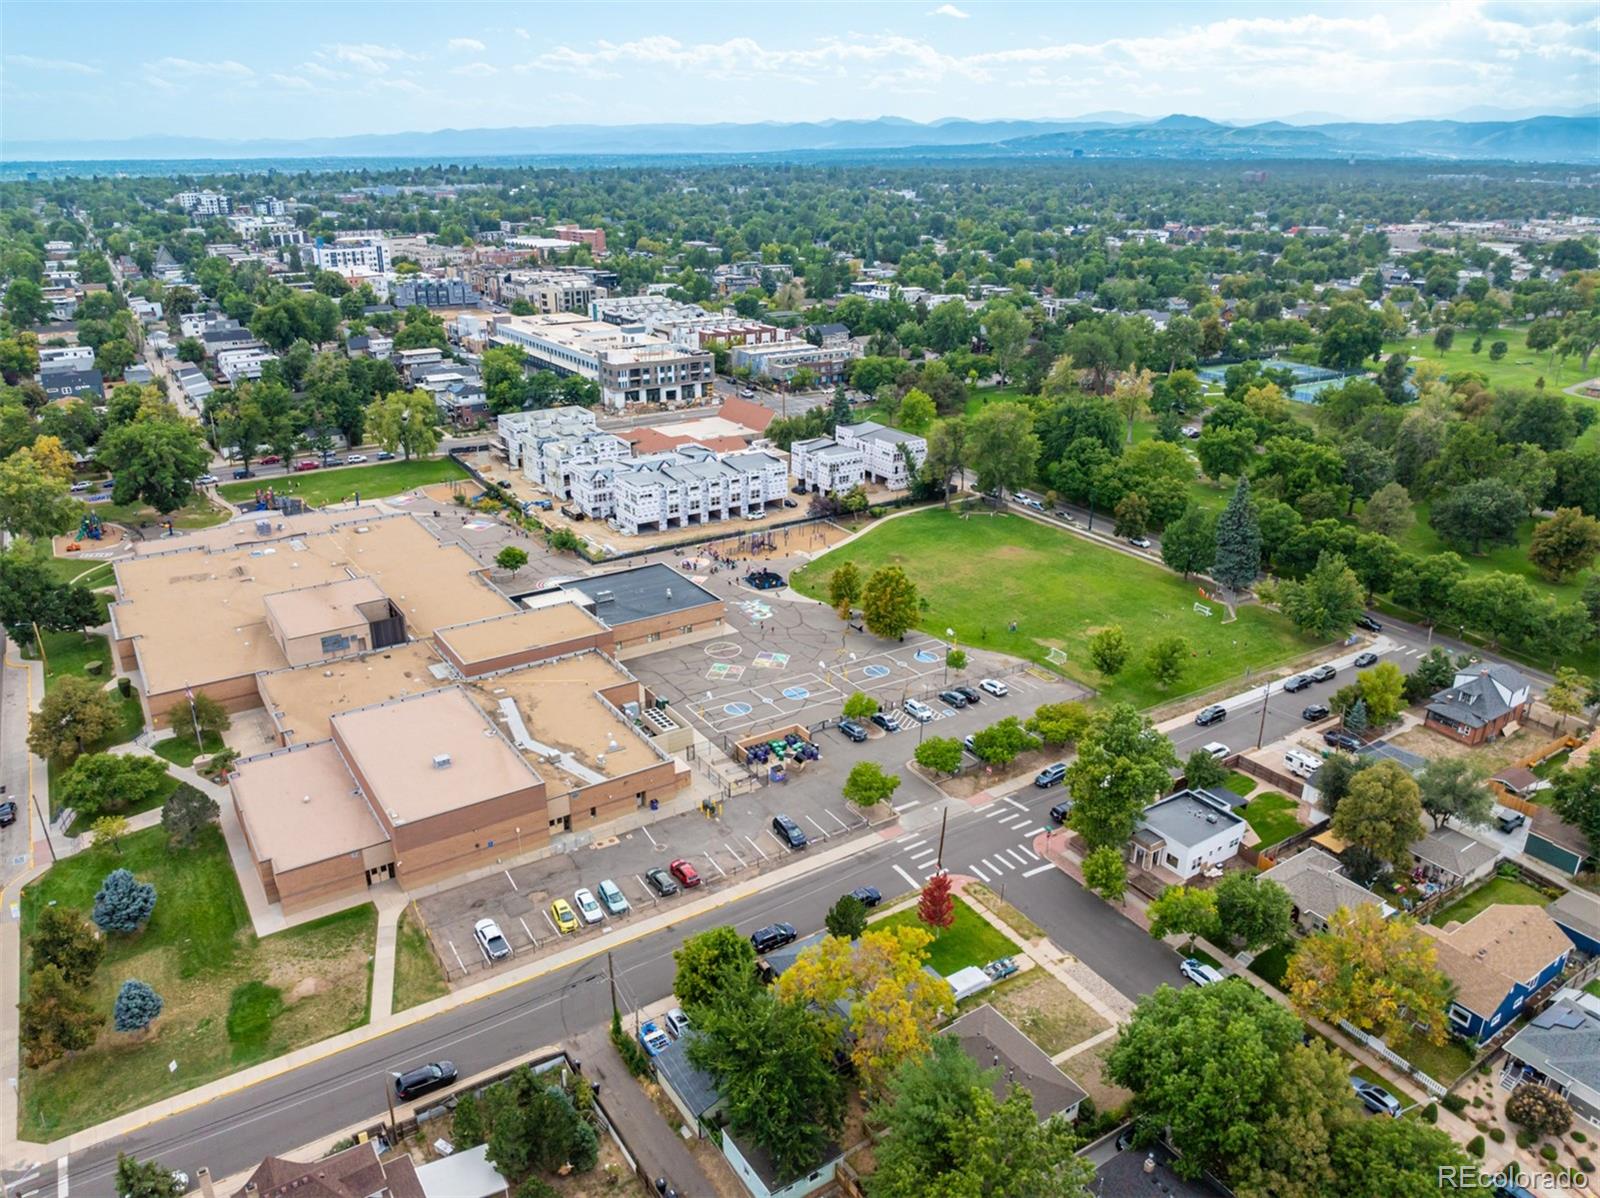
<point x="1577" y="913"/>
<point x="1497" y="961"/>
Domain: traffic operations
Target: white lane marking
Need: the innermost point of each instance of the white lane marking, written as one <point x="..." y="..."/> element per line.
<point x="1038" y="869"/>
<point x="907" y="806"/>
<point x="1014" y="803"/>
<point x="1013" y="819"/>
<point x="993" y="868"/>
<point x="910" y="881"/>
<point x="1027" y="852"/>
<point x="981" y="876"/>
<point x="61" y="1177"/>
<point x="908" y="838"/>
<point x="512" y="880"/>
<point x="651" y="839"/>
<point x="925" y="856"/>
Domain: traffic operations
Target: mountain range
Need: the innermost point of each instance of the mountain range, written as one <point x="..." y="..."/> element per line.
<point x="1544" y="138"/>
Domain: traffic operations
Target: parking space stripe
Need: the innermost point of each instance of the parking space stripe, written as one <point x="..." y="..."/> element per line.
<point x="554" y="930"/>
<point x="456" y="955"/>
<point x="821" y="831"/>
<point x="721" y="873"/>
<point x="527" y="932"/>
<point x="906" y="806"/>
<point x="842" y="825"/>
<point x="734" y="855"/>
<point x="758" y="849"/>
<point x="1038" y="869"/>
<point x="512" y="880"/>
<point x="1027" y="852"/>
<point x="646" y="830"/>
<point x="910" y="881"/>
<point x="978" y="873"/>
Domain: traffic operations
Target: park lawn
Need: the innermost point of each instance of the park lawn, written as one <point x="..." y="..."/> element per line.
<point x="169" y="783"/>
<point x="1496" y="890"/>
<point x="320" y="487"/>
<point x="417" y="976"/>
<point x="181" y="750"/>
<point x="82" y="570"/>
<point x="970" y="940"/>
<point x="231" y="998"/>
<point x="1273" y="964"/>
<point x="1508" y="559"/>
<point x="978" y="573"/>
<point x="1521" y="367"/>
<point x="199" y="512"/>
<point x="1272" y="817"/>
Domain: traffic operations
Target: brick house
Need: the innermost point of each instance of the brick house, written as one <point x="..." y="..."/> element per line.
<point x="1484" y="701"/>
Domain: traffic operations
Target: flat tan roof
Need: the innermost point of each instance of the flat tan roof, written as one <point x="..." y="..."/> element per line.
<point x="199" y="615"/>
<point x="393" y="746"/>
<point x="560" y="709"/>
<point x="245" y="530"/>
<point x="285" y="828"/>
<point x="307" y="611"/>
<point x="526" y="629"/>
<point x="303" y="700"/>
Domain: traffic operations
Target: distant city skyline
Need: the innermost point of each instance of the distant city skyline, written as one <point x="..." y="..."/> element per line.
<point x="245" y="70"/>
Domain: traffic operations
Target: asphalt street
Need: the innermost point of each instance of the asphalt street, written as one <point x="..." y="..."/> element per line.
<point x="233" y="1133"/>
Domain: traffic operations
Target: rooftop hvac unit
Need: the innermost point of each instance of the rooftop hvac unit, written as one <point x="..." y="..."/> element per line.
<point x="441" y="761"/>
<point x="604" y="597"/>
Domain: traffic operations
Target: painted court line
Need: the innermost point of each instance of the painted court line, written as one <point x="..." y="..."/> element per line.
<point x="910" y="881"/>
<point x="1037" y="869"/>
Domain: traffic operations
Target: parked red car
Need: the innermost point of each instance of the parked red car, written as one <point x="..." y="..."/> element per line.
<point x="271" y="459"/>
<point x="686" y="874"/>
<point x="308" y="464"/>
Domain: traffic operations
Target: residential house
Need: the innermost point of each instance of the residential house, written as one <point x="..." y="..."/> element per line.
<point x="1497" y="961"/>
<point x="1577" y="913"/>
<point x="63" y="384"/>
<point x="369" y="345"/>
<point x="885" y="451"/>
<point x="1147" y="1173"/>
<point x="1451" y="858"/>
<point x="1560" y="1048"/>
<point x="65" y="357"/>
<point x="994" y="1042"/>
<point x="1186" y="834"/>
<point x="688" y="486"/>
<point x="830" y="336"/>
<point x="1484" y="701"/>
<point x="1317" y="884"/>
<point x="356" y="1172"/>
<point x="244" y="362"/>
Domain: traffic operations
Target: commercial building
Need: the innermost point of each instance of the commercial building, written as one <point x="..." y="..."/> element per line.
<point x="547" y="291"/>
<point x="782" y="361"/>
<point x="595" y="239"/>
<point x="687" y="326"/>
<point x="203" y="203"/>
<point x="629" y="367"/>
<point x="1186" y="834"/>
<point x="349" y="255"/>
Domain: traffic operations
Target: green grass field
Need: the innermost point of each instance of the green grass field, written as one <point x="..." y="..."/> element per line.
<point x="86" y="571"/>
<point x="182" y="750"/>
<point x="199" y="512"/>
<point x="1272" y="817"/>
<point x="417" y="976"/>
<point x="1240" y="784"/>
<point x="320" y="487"/>
<point x="979" y="573"/>
<point x="1509" y="559"/>
<point x="169" y="783"/>
<point x="1521" y="367"/>
<point x="1273" y="964"/>
<point x="970" y="940"/>
<point x="231" y="999"/>
<point x="1497" y="890"/>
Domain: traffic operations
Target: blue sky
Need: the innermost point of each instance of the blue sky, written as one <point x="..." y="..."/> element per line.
<point x="74" y="70"/>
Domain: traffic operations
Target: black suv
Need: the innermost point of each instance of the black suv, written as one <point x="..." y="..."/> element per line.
<point x="869" y="896"/>
<point x="968" y="693"/>
<point x="953" y="698"/>
<point x="1367" y="622"/>
<point x="419" y="1081"/>
<point x="1214" y="714"/>
<point x="660" y="881"/>
<point x="1059" y="813"/>
<point x="853" y="730"/>
<point x="1298" y="683"/>
<point x="1338" y="738"/>
<point x="8" y="814"/>
<point x="773" y="936"/>
<point x="789" y="832"/>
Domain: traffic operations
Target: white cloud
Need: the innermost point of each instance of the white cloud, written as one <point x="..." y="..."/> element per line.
<point x="57" y="65"/>
<point x="366" y="57"/>
<point x="469" y="44"/>
<point x="521" y="32"/>
<point x="479" y="69"/>
<point x="293" y="83"/>
<point x="949" y="10"/>
<point x="188" y="68"/>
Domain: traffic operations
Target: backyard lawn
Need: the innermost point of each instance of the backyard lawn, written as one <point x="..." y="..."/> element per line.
<point x="1442" y="1062"/>
<point x="971" y="940"/>
<point x="980" y="572"/>
<point x="1272" y="817"/>
<point x="1240" y="784"/>
<point x="231" y="999"/>
<point x="319" y="487"/>
<point x="417" y="976"/>
<point x="1496" y="890"/>
<point x="1273" y="964"/>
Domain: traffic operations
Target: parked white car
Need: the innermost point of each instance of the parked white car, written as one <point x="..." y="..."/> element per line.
<point x="491" y="940"/>
<point x="1199" y="972"/>
<point x="354" y="459"/>
<point x="920" y="712"/>
<point x="588" y="909"/>
<point x="1217" y="749"/>
<point x="994" y="687"/>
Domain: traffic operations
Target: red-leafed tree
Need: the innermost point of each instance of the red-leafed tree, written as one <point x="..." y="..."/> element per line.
<point x="937" y="908"/>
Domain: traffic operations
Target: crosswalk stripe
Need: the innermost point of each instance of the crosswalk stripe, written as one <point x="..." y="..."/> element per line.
<point x="1015" y="804"/>
<point x="1016" y="856"/>
<point x="998" y="862"/>
<point x="910" y="881"/>
<point x="1027" y="852"/>
<point x="1013" y="819"/>
<point x="995" y="810"/>
<point x="1034" y="831"/>
<point x="908" y="845"/>
<point x="978" y="873"/>
<point x="1038" y="869"/>
<point x="924" y="857"/>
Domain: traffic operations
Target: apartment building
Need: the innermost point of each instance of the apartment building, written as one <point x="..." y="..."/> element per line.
<point x="884" y="451"/>
<point x="434" y="293"/>
<point x="692" y="485"/>
<point x="203" y="203"/>
<point x="349" y="255"/>
<point x="246" y="363"/>
<point x="542" y="248"/>
<point x="547" y="291"/>
<point x="630" y="367"/>
<point x="822" y="464"/>
<point x="595" y="239"/>
<point x="553" y="447"/>
<point x="688" y="326"/>
<point x="782" y="361"/>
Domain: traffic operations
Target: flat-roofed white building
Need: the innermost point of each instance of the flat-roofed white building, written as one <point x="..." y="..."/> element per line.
<point x="692" y="485"/>
<point x="885" y="451"/>
<point x="824" y="465"/>
<point x="630" y="366"/>
<point x="557" y="448"/>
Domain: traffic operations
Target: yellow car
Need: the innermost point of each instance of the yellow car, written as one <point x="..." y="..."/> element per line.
<point x="566" y="920"/>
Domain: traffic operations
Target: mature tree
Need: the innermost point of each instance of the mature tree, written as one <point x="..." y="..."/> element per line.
<point x="1167" y="659"/>
<point x="916" y="411"/>
<point x="1167" y="1054"/>
<point x="890" y="604"/>
<point x="947" y="454"/>
<point x="1122" y="764"/>
<point x="73" y="716"/>
<point x="1238" y="541"/>
<point x="123" y="903"/>
<point x="511" y="559"/>
<point x="948" y="1134"/>
<point x="186" y="814"/>
<point x="34" y="501"/>
<point x="1225" y="452"/>
<point x="1389" y="511"/>
<point x="56" y="1018"/>
<point x="860" y="706"/>
<point x="1433" y="672"/>
<point x="894" y="1003"/>
<point x="63" y="938"/>
<point x="773" y="1064"/>
<point x="1003" y="741"/>
<point x="1334" y="778"/>
<point x="844" y="589"/>
<point x="936" y="908"/>
<point x="1452" y="788"/>
<point x="535" y="1128"/>
<point x="1001" y="447"/>
<point x="712" y="966"/>
<point x="1568" y="693"/>
<point x="1131" y="516"/>
<point x="1575" y="797"/>
<point x="1327" y="601"/>
<point x="198" y="715"/>
<point x="1313" y="1103"/>
<point x="407" y="422"/>
<point x="1108" y="649"/>
<point x="1251" y="911"/>
<point x="1006" y="330"/>
<point x="1057" y="724"/>
<point x="1383" y="691"/>
<point x="25" y="303"/>
<point x="111" y="782"/>
<point x="942" y="754"/>
<point x="1189" y="544"/>
<point x="1382" y="813"/>
<point x="1106" y="873"/>
<point x="1565" y="543"/>
<point x="1379" y="974"/>
<point x="137" y="1006"/>
<point x="1397" y="1158"/>
<point x="847" y="918"/>
<point x="868" y="785"/>
<point x="156" y="459"/>
<point x="1184" y="911"/>
<point x="1131" y="396"/>
<point x="1486" y="511"/>
<point x="146" y="1179"/>
<point x="108" y="830"/>
<point x="30" y="594"/>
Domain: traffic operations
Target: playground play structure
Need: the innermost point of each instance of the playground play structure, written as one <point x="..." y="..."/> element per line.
<point x="269" y="500"/>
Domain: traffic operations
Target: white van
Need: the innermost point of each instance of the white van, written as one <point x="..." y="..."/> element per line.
<point x="1301" y="763"/>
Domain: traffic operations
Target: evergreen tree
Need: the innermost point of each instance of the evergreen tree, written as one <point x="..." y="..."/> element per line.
<point x="123" y="903"/>
<point x="1238" y="541"/>
<point x="136" y="1008"/>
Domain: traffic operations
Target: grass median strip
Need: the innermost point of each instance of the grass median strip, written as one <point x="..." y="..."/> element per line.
<point x="417" y="976"/>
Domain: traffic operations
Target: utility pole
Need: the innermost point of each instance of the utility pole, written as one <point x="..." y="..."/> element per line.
<point x="394" y="1124"/>
<point x="1266" y="692"/>
<point x="943" y="823"/>
<point x="611" y="976"/>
